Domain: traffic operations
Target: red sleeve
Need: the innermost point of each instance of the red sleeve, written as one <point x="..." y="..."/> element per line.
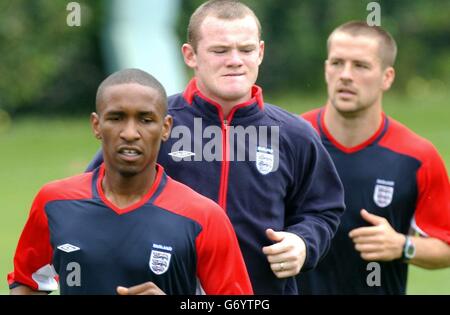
<point x="432" y="215"/>
<point x="221" y="267"/>
<point x="33" y="257"/>
<point x="312" y="117"/>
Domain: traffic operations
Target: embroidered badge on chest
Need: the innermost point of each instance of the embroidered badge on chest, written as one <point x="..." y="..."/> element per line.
<point x="264" y="160"/>
<point x="160" y="259"/>
<point x="383" y="193"/>
<point x="181" y="154"/>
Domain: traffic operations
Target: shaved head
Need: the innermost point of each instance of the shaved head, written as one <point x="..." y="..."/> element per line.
<point x="127" y="76"/>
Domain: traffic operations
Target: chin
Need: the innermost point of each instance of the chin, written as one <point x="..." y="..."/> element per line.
<point x="345" y="107"/>
<point x="235" y="87"/>
<point x="128" y="172"/>
<point x="234" y="95"/>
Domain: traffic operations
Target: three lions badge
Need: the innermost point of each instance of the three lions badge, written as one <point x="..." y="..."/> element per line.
<point x="160" y="259"/>
<point x="383" y="193"/>
<point x="264" y="160"/>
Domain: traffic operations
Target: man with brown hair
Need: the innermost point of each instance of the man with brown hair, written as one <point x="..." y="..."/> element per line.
<point x="265" y="167"/>
<point x="394" y="180"/>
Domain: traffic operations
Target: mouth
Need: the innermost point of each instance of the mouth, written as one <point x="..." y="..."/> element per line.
<point x="234" y="74"/>
<point x="129" y="154"/>
<point x="346" y="92"/>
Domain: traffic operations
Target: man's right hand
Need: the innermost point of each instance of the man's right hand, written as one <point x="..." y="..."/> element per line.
<point x="287" y="255"/>
<point x="147" y="288"/>
<point x="25" y="290"/>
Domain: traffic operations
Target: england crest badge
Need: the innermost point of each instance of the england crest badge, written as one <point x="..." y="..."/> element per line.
<point x="264" y="160"/>
<point x="383" y="193"/>
<point x="159" y="260"/>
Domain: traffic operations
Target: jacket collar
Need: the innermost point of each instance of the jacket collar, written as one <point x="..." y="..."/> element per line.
<point x="194" y="97"/>
<point x="349" y="150"/>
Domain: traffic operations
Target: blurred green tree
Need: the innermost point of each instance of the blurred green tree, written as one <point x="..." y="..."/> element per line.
<point x="47" y="66"/>
<point x="296" y="31"/>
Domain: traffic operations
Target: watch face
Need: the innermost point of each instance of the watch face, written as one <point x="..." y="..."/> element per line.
<point x="410" y="250"/>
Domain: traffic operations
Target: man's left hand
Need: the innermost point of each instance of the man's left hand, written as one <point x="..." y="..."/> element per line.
<point x="378" y="242"/>
<point x="287" y="255"/>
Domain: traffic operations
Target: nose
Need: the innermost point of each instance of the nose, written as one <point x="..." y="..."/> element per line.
<point x="235" y="59"/>
<point x="130" y="131"/>
<point x="346" y="73"/>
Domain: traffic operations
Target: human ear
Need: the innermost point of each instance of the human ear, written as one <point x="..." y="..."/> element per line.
<point x="167" y="127"/>
<point x="95" y="124"/>
<point x="388" y="78"/>
<point x="189" y="55"/>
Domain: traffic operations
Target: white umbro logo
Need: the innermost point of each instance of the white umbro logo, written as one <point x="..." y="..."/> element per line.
<point x="181" y="154"/>
<point x="68" y="248"/>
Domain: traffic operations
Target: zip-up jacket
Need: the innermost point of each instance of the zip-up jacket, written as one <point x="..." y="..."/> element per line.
<point x="265" y="167"/>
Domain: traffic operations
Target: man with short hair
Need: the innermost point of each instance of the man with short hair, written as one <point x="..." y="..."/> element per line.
<point x="127" y="227"/>
<point x="265" y="167"/>
<point x="394" y="180"/>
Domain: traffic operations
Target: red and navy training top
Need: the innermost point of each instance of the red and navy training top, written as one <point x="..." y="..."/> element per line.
<point x="395" y="174"/>
<point x="174" y="237"/>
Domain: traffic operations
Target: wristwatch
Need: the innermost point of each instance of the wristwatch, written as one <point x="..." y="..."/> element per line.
<point x="409" y="250"/>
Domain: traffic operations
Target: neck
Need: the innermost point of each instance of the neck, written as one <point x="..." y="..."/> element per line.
<point x="124" y="191"/>
<point x="352" y="129"/>
<point x="226" y="105"/>
<point x="226" y="108"/>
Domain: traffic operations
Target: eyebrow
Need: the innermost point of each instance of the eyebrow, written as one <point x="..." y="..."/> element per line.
<point x="353" y="60"/>
<point x="113" y="112"/>
<point x="219" y="46"/>
<point x="248" y="46"/>
<point x="226" y="46"/>
<point x="147" y="113"/>
<point x="122" y="112"/>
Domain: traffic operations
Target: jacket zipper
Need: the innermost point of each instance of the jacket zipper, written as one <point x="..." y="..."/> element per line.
<point x="225" y="165"/>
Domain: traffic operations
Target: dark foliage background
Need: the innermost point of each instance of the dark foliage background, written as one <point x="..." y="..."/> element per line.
<point x="48" y="67"/>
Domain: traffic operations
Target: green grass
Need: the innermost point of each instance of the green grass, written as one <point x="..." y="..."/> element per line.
<point x="36" y="151"/>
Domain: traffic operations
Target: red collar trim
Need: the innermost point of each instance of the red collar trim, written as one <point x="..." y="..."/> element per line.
<point x="360" y="146"/>
<point x="192" y="89"/>
<point x="144" y="199"/>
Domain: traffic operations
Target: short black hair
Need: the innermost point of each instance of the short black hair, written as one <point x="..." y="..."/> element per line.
<point x="131" y="75"/>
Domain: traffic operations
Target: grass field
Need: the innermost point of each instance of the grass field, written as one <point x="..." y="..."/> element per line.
<point x="35" y="151"/>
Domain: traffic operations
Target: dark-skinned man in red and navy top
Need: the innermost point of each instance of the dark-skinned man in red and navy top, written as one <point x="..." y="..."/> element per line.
<point x="173" y="237"/>
<point x="126" y="227"/>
